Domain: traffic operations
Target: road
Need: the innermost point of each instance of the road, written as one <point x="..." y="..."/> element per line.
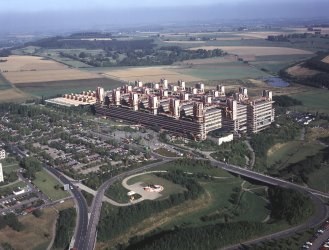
<point x="82" y="209"/>
<point x="97" y="202"/>
<point x="319" y="216"/>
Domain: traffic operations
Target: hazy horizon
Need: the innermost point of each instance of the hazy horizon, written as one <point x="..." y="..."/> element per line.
<point x="40" y="16"/>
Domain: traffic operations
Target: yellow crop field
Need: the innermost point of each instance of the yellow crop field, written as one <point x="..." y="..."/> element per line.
<point x="149" y="74"/>
<point x="21" y="77"/>
<point x="257" y="50"/>
<point x="27" y="69"/>
<point x="300" y="71"/>
<point x="12" y="94"/>
<point x="28" y="63"/>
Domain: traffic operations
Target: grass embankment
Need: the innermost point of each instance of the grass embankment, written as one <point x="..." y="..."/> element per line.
<point x="37" y="232"/>
<point x="319" y="179"/>
<point x="49" y="185"/>
<point x="313" y="101"/>
<point x="283" y="154"/>
<point x="165" y="152"/>
<point x="117" y="193"/>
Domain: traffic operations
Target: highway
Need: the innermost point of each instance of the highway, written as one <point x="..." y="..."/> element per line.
<point x="82" y="209"/>
<point x="319" y="216"/>
<point x="97" y="203"/>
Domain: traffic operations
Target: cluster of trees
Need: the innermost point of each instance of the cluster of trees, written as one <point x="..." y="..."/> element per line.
<point x="199" y="238"/>
<point x="60" y="42"/>
<point x="319" y="80"/>
<point x="286" y="38"/>
<point x="64" y="228"/>
<point x="285" y="101"/>
<point x="11" y="221"/>
<point x="233" y="152"/>
<point x="289" y="205"/>
<point x="302" y="169"/>
<point x="32" y="165"/>
<point x="115" y="222"/>
<point x="141" y="52"/>
<point x="262" y="142"/>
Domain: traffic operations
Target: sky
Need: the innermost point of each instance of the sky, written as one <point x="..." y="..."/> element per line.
<point x="60" y="15"/>
<point x="42" y="5"/>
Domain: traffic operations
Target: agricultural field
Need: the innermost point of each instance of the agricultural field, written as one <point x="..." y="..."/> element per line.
<point x="37" y="232"/>
<point x="4" y="84"/>
<point x="46" y="183"/>
<point x="222" y="71"/>
<point x="300" y="71"/>
<point x="12" y="95"/>
<point x="54" y="88"/>
<point x="315" y="100"/>
<point x="149" y="74"/>
<point x="257" y="50"/>
<point x="31" y="69"/>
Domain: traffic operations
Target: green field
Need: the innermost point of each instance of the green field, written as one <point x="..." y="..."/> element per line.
<point x="4" y="84"/>
<point x="51" y="89"/>
<point x="149" y="179"/>
<point x="223" y="71"/>
<point x="46" y="183"/>
<point x="274" y="64"/>
<point x="195" y="168"/>
<point x="320" y="179"/>
<point x="292" y="152"/>
<point x="117" y="193"/>
<point x="314" y="101"/>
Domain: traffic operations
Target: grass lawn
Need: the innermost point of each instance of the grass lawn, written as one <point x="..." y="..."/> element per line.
<point x="46" y="183"/>
<point x="37" y="232"/>
<point x="313" y="101"/>
<point x="195" y="168"/>
<point x="117" y="193"/>
<point x="284" y="154"/>
<point x="148" y="179"/>
<point x="319" y="179"/>
<point x="7" y="169"/>
<point x="165" y="152"/>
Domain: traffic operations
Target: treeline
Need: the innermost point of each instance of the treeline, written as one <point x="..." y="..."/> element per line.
<point x="31" y="165"/>
<point x="11" y="221"/>
<point x="59" y="42"/>
<point x="114" y="222"/>
<point x="319" y="80"/>
<point x="302" y="169"/>
<point x="289" y="205"/>
<point x="64" y="228"/>
<point x="199" y="238"/>
<point x="286" y="38"/>
<point x="285" y="101"/>
<point x="262" y="142"/>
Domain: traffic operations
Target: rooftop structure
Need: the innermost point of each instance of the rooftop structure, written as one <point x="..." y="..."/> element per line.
<point x="189" y="111"/>
<point x="2" y="154"/>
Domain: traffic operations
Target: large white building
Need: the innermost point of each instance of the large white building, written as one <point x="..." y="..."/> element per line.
<point x="2" y="154"/>
<point x="1" y="173"/>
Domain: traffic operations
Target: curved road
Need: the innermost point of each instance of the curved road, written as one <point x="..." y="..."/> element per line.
<point x="96" y="206"/>
<point x="82" y="209"/>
